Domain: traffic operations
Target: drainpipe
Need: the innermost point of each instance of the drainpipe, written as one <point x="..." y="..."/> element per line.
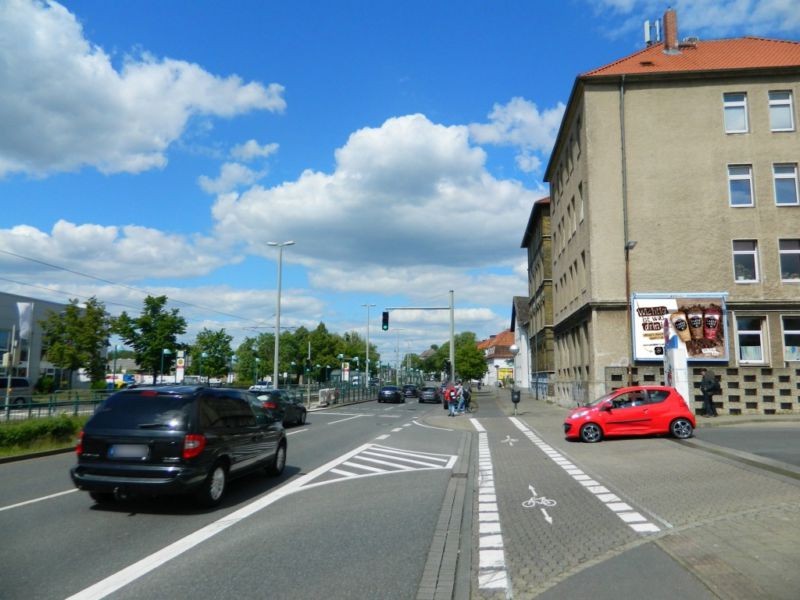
<point x="628" y="245"/>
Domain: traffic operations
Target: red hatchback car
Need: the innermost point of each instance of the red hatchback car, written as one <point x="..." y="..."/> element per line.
<point x="637" y="410"/>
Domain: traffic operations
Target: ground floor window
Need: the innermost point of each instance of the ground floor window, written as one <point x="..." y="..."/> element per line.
<point x="750" y="332"/>
<point x="791" y="338"/>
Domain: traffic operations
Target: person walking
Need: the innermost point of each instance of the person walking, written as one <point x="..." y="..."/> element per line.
<point x="460" y="397"/>
<point x="709" y="386"/>
<point x="451" y="397"/>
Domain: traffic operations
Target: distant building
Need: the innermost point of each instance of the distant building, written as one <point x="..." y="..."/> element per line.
<point x="674" y="188"/>
<point x="499" y="359"/>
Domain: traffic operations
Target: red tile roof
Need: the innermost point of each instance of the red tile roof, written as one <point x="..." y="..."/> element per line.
<point x="712" y="55"/>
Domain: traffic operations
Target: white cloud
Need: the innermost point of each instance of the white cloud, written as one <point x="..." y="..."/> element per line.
<point x="63" y="105"/>
<point x="231" y="176"/>
<point x="409" y="195"/>
<point x="521" y="124"/>
<point x="251" y="149"/>
<point x="117" y="253"/>
<point x="705" y="18"/>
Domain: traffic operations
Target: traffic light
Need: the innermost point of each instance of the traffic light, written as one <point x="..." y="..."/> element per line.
<point x="385" y="323"/>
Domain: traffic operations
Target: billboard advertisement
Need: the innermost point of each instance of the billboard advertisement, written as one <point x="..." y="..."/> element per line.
<point x="697" y="320"/>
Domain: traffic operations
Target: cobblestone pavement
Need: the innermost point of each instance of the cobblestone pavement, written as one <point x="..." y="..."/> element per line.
<point x="733" y="526"/>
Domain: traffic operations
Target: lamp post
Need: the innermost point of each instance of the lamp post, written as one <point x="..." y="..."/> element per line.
<point x="114" y="371"/>
<point x="514" y="349"/>
<point x="164" y="352"/>
<point x="255" y="370"/>
<point x="366" y="362"/>
<point x="202" y="356"/>
<point x="280" y="246"/>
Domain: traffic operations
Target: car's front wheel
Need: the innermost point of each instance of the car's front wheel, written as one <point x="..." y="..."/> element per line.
<point x="213" y="488"/>
<point x="591" y="433"/>
<point x="681" y="429"/>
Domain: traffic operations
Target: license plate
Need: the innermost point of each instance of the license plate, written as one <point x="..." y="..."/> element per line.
<point x="128" y="451"/>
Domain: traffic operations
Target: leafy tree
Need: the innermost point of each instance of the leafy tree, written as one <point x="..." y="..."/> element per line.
<point x="155" y="330"/>
<point x="470" y="362"/>
<point x="78" y="337"/>
<point x="216" y="345"/>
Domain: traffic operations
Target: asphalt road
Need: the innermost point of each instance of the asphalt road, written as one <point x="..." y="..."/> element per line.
<point x="542" y="517"/>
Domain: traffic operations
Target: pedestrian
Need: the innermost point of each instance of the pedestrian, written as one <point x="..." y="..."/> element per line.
<point x="460" y="396"/>
<point x="709" y="386"/>
<point x="452" y="400"/>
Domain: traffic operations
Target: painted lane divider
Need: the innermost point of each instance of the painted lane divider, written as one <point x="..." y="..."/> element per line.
<point x="492" y="573"/>
<point x="635" y="520"/>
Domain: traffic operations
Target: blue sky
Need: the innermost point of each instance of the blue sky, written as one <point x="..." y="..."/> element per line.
<point x="158" y="146"/>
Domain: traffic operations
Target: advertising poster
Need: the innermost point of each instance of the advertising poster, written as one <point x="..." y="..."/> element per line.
<point x="698" y="321"/>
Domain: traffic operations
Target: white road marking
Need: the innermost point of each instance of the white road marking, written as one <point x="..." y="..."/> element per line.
<point x="26" y="502"/>
<point x="509" y="440"/>
<point x="346" y="419"/>
<point x="430" y="426"/>
<point x="492" y="573"/>
<point x="635" y="520"/>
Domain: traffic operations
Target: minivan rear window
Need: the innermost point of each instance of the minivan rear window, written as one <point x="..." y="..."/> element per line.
<point x="136" y="410"/>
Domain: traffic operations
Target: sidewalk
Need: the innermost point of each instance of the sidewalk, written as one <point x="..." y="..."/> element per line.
<point x="736" y="538"/>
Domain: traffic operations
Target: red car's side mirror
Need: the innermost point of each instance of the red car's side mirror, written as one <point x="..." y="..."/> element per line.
<point x="607" y="405"/>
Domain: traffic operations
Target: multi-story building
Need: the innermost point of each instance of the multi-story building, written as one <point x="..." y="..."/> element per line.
<point x="674" y="186"/>
<point x="537" y="240"/>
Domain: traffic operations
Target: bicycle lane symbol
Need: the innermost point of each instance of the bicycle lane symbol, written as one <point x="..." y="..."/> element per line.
<point x="542" y="501"/>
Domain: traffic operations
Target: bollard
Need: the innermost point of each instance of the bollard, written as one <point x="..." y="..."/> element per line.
<point x="515" y="399"/>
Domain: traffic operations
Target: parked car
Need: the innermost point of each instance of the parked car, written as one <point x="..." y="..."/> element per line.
<point x="410" y="390"/>
<point x="176" y="440"/>
<point x="391" y="393"/>
<point x="290" y="408"/>
<point x="430" y="393"/>
<point x="636" y="410"/>
<point x="21" y="391"/>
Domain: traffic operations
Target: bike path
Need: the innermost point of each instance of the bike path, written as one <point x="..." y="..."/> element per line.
<point x="556" y="519"/>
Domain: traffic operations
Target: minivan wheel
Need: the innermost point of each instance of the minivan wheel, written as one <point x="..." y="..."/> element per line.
<point x="213" y="488"/>
<point x="275" y="467"/>
<point x="591" y="433"/>
<point x="681" y="429"/>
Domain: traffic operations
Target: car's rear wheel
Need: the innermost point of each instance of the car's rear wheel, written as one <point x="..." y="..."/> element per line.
<point x="213" y="488"/>
<point x="591" y="433"/>
<point x="681" y="428"/>
<point x="278" y="462"/>
<point x="301" y="420"/>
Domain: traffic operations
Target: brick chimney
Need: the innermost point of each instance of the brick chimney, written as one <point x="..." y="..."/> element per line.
<point x="670" y="31"/>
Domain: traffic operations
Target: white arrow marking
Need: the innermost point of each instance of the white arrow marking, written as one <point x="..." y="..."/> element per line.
<point x="547" y="517"/>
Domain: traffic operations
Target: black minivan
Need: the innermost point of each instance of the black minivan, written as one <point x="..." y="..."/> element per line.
<point x="176" y="440"/>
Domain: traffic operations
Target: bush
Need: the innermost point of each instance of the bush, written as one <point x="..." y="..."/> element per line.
<point x="46" y="385"/>
<point x="62" y="428"/>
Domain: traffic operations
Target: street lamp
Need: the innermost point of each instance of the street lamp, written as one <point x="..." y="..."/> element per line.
<point x="202" y="356"/>
<point x="164" y="352"/>
<point x="629" y="245"/>
<point x="114" y="371"/>
<point x="255" y="370"/>
<point x="280" y="246"/>
<point x="514" y="349"/>
<point x="366" y="362"/>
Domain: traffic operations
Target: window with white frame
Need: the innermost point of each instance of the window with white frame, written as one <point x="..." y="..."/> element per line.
<point x="786" y="191"/>
<point x="735" y="110"/>
<point x="781" y="111"/>
<point x="740" y="185"/>
<point x="789" y="252"/>
<point x="791" y="337"/>
<point x="750" y="332"/>
<point x="745" y="261"/>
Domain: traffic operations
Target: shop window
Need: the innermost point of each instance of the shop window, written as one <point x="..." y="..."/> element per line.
<point x="750" y="332"/>
<point x="791" y="338"/>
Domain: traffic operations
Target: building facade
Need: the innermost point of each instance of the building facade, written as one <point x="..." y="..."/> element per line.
<point x="675" y="172"/>
<point x="537" y="241"/>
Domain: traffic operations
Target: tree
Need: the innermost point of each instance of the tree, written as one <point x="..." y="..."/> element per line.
<point x="216" y="345"/>
<point x="470" y="362"/>
<point x="78" y="337"/>
<point x="154" y="331"/>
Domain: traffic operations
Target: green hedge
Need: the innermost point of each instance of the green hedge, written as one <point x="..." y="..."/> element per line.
<point x="32" y="431"/>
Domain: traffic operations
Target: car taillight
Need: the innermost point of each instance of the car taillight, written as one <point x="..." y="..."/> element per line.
<point x="79" y="444"/>
<point x="193" y="445"/>
<point x="271" y="405"/>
